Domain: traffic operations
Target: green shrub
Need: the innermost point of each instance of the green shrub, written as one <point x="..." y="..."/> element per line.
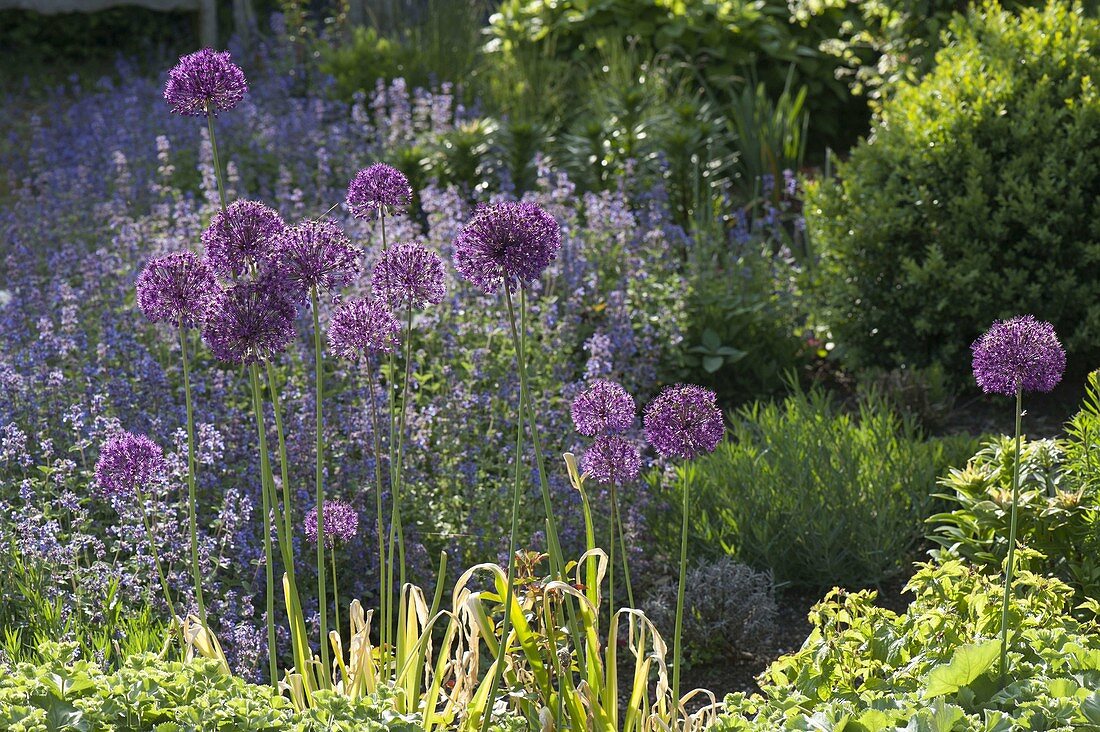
<point x="817" y="495"/>
<point x="974" y="198"/>
<point x="933" y="668"/>
<point x="1058" y="513"/>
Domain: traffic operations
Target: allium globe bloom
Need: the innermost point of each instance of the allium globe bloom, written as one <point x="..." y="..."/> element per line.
<point x="362" y="327"/>
<point x="684" y="422"/>
<point x="605" y="407"/>
<point x="250" y="321"/>
<point x="175" y="288"/>
<point x="1019" y="353"/>
<point x="239" y="236"/>
<point x="205" y="81"/>
<point x="612" y="459"/>
<point x="341" y="522"/>
<point x="409" y="275"/>
<point x="315" y="254"/>
<point x="379" y="186"/>
<point x="128" y="462"/>
<point x="506" y="244"/>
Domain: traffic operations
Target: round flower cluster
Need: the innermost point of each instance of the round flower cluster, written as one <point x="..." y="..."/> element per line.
<point x="376" y="188"/>
<point x="315" y="255"/>
<point x="507" y="244"/>
<point x="604" y="407"/>
<point x="250" y="321"/>
<point x="361" y="328"/>
<point x="1021" y="353"/>
<point x="612" y="460"/>
<point x="205" y="82"/>
<point x="341" y="522"/>
<point x="176" y="288"/>
<point x="409" y="275"/>
<point x="684" y="421"/>
<point x="127" y="463"/>
<point x="240" y="237"/>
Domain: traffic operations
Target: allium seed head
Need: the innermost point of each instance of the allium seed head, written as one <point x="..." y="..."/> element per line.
<point x="612" y="459"/>
<point x="128" y="462"/>
<point x="409" y="275"/>
<point x="315" y="254"/>
<point x="240" y="236"/>
<point x="684" y="422"/>
<point x="376" y="187"/>
<point x="340" y="522"/>
<point x="508" y="244"/>
<point x="203" y="81"/>
<point x="1019" y="353"/>
<point x="604" y="407"/>
<point x="250" y="321"/>
<point x="361" y="328"/>
<point x="175" y="287"/>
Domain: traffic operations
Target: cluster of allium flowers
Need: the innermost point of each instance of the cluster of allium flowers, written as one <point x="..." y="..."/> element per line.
<point x="409" y="275"/>
<point x="250" y="321"/>
<point x="379" y="186"/>
<point x="315" y="254"/>
<point x="612" y="459"/>
<point x="605" y="407"/>
<point x="240" y="236"/>
<point x="340" y="522"/>
<point x="506" y="244"/>
<point x="361" y="328"/>
<point x="1019" y="353"/>
<point x="684" y="421"/>
<point x="175" y="287"/>
<point x="205" y="81"/>
<point x="128" y="462"/>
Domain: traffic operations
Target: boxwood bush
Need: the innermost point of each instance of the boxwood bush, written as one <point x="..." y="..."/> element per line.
<point x="974" y="197"/>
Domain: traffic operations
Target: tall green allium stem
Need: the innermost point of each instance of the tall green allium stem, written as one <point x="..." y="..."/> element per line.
<point x="617" y="525"/>
<point x="217" y="159"/>
<point x="322" y="593"/>
<point x="335" y="592"/>
<point x="1010" y="562"/>
<point x="678" y="650"/>
<point x="397" y="529"/>
<point x="506" y="624"/>
<point x="192" y="500"/>
<point x="156" y="558"/>
<point x="383" y="630"/>
<point x="266" y="490"/>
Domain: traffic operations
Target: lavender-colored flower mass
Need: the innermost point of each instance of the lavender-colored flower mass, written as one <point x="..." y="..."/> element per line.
<point x="205" y="81"/>
<point x="409" y="275"/>
<point x="128" y="462"/>
<point x="604" y="407"/>
<point x="506" y="244"/>
<point x="612" y="459"/>
<point x="376" y="187"/>
<point x="175" y="287"/>
<point x="1019" y="353"/>
<point x="250" y="321"/>
<point x="315" y="254"/>
<point x="684" y="421"/>
<point x="240" y="236"/>
<point x="341" y="522"/>
<point x="362" y="327"/>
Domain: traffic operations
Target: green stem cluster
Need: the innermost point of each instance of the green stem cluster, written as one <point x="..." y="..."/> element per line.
<point x="322" y="593"/>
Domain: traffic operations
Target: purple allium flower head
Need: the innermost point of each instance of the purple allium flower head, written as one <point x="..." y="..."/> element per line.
<point x="604" y="407"/>
<point x="409" y="275"/>
<point x="1019" y="353"/>
<point x="315" y="254"/>
<point x="684" y="422"/>
<point x="376" y="187"/>
<point x="203" y="81"/>
<point x="176" y="287"/>
<point x="128" y="462"/>
<point x="241" y="235"/>
<point x="341" y="522"/>
<point x="612" y="459"/>
<point x="250" y="321"/>
<point x="506" y="243"/>
<point x="362" y="327"/>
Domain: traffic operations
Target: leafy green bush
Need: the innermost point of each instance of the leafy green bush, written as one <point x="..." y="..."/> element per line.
<point x="933" y="668"/>
<point x="719" y="41"/>
<point x="817" y="495"/>
<point x="1058" y="513"/>
<point x="973" y="198"/>
<point x="148" y="693"/>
